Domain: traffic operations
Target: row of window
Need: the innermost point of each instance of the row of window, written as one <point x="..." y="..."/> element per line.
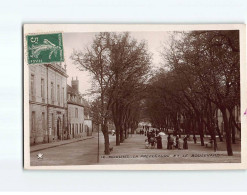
<point x="75" y="98"/>
<point x="43" y="121"/>
<point x="76" y="128"/>
<point x="76" y="113"/>
<point x="43" y="91"/>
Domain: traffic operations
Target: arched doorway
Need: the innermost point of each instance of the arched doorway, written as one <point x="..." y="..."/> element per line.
<point x="58" y="127"/>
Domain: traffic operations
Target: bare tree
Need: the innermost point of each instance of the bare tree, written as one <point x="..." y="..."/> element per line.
<point x="119" y="65"/>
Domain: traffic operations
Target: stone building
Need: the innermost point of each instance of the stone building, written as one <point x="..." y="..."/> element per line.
<point x="47" y="102"/>
<point x="75" y="111"/>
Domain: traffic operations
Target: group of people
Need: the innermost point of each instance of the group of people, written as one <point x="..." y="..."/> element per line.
<point x="173" y="141"/>
<point x="153" y="138"/>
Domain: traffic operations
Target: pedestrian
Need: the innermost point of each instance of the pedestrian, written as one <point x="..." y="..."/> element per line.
<point x="148" y="136"/>
<point x="185" y="145"/>
<point x="152" y="142"/>
<point x="146" y="144"/>
<point x="173" y="142"/>
<point x="179" y="143"/>
<point x="177" y="140"/>
<point x="194" y="138"/>
<point x="159" y="142"/>
<point x="168" y="142"/>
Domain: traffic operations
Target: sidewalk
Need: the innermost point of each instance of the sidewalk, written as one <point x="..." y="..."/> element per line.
<point x="133" y="151"/>
<point x="39" y="147"/>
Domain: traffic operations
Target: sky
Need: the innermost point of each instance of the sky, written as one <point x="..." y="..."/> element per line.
<point x="79" y="41"/>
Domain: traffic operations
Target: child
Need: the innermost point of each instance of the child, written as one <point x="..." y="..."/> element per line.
<point x="146" y="144"/>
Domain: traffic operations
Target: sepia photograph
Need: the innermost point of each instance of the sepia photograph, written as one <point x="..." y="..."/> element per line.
<point x="136" y="97"/>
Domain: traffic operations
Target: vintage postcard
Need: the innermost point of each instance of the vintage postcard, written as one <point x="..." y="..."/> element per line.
<point x="135" y="97"/>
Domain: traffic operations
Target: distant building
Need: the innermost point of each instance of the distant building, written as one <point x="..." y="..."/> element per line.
<point x="236" y="115"/>
<point x="47" y="102"/>
<point x="89" y="126"/>
<point x="75" y="111"/>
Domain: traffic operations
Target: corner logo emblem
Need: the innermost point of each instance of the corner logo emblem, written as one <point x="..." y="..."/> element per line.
<point x="40" y="156"/>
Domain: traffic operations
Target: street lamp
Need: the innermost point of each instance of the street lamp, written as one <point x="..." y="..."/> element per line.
<point x="98" y="143"/>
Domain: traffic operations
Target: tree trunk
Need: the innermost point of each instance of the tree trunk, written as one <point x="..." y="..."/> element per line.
<point x="231" y="126"/>
<point x="121" y="134"/>
<point x="214" y="138"/>
<point x="228" y="133"/>
<point x="193" y="127"/>
<point x="236" y="125"/>
<point x="117" y="135"/>
<point x="232" y="130"/>
<point x="106" y="138"/>
<point x="218" y="132"/>
<point x="126" y="131"/>
<point x="200" y="124"/>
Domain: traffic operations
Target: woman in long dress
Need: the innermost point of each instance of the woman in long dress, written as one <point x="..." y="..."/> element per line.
<point x="168" y="142"/>
<point x="185" y="145"/>
<point x="159" y="142"/>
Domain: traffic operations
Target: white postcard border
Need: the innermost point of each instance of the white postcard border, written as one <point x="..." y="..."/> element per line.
<point x="47" y="28"/>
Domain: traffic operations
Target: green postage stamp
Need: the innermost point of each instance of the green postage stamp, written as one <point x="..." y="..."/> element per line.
<point x="45" y="48"/>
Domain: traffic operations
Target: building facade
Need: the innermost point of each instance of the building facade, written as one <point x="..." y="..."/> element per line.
<point x="75" y="111"/>
<point x="236" y="115"/>
<point x="89" y="126"/>
<point x="47" y="102"/>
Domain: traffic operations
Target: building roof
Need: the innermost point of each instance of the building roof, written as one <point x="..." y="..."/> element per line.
<point x="70" y="90"/>
<point x="75" y="97"/>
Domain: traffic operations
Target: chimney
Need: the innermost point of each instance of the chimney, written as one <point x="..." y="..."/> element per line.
<point x="75" y="84"/>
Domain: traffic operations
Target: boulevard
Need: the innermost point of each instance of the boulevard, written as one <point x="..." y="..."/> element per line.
<point x="131" y="151"/>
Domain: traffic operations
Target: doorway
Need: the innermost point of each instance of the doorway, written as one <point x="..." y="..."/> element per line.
<point x="58" y="128"/>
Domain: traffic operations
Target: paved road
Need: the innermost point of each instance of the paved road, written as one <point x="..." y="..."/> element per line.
<point x="132" y="151"/>
<point x="78" y="153"/>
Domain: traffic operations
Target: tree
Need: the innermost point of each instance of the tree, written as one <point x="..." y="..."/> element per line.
<point x="118" y="64"/>
<point x="95" y="59"/>
<point x="209" y="60"/>
<point x="130" y="62"/>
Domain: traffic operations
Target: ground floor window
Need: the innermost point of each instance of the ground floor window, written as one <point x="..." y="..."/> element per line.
<point x="43" y="121"/>
<point x="52" y="122"/>
<point x="33" y="121"/>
